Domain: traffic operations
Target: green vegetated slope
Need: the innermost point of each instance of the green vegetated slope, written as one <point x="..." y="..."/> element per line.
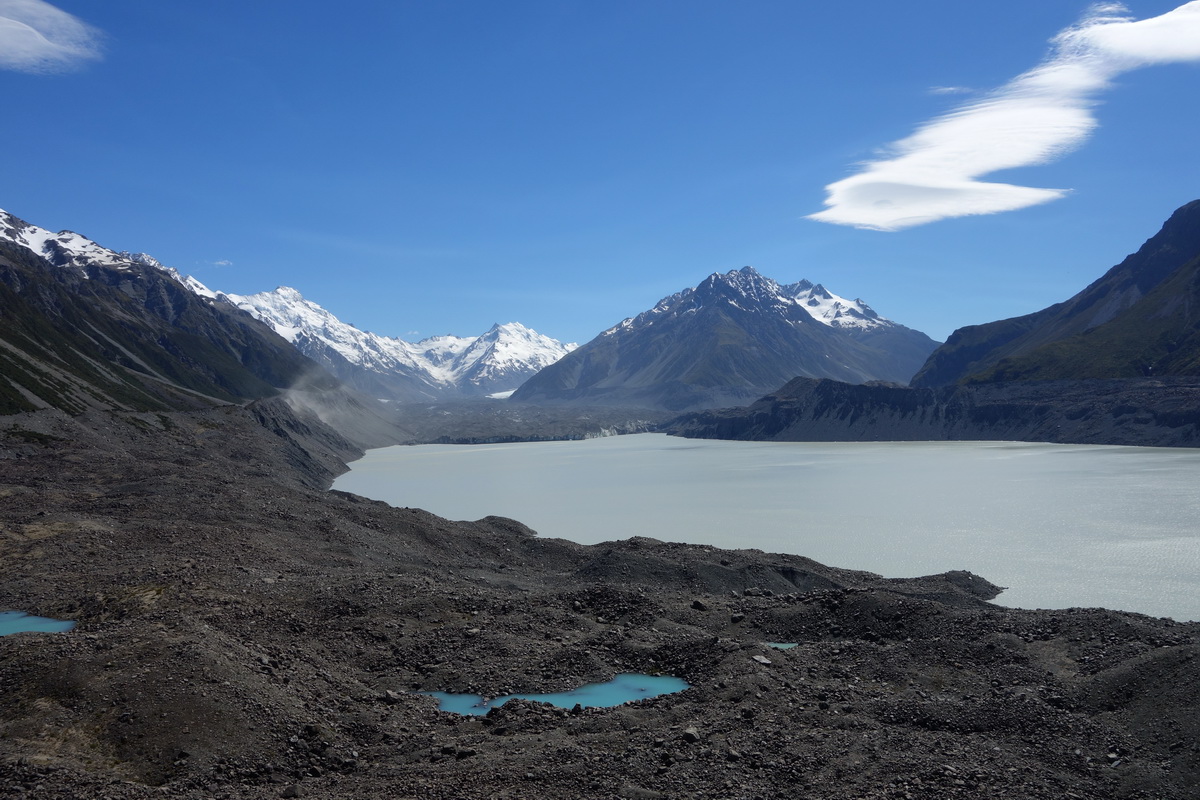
<point x="1158" y="335"/>
<point x="130" y="338"/>
<point x="1139" y="319"/>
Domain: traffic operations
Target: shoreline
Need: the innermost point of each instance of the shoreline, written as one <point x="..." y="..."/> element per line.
<point x="245" y="633"/>
<point x="1067" y="560"/>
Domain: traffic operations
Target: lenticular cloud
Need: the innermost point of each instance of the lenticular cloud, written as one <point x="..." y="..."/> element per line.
<point x="1034" y="119"/>
<point x="37" y="37"/>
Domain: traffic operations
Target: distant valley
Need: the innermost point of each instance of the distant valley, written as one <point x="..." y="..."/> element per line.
<point x="741" y="355"/>
<point x="727" y="341"/>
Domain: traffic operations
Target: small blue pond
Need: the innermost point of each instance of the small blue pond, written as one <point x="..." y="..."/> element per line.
<point x="20" y="622"/>
<point x="782" y="645"/>
<point x="624" y="688"/>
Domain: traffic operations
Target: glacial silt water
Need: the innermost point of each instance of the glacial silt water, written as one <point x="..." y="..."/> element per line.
<point x="19" y="622"/>
<point x="624" y="688"/>
<point x="1060" y="525"/>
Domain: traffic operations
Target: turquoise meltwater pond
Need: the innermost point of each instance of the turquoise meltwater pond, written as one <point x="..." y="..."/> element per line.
<point x="20" y="622"/>
<point x="624" y="688"/>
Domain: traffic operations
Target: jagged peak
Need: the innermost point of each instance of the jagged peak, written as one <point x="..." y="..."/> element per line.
<point x="746" y="276"/>
<point x="438" y="362"/>
<point x="765" y="296"/>
<point x="63" y="249"/>
<point x="144" y="259"/>
<point x="745" y="282"/>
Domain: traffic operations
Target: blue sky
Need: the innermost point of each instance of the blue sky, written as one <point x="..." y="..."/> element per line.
<point x="433" y="167"/>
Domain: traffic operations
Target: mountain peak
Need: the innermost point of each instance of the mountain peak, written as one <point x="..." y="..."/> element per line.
<point x="143" y="258"/>
<point x="734" y="337"/>
<point x="746" y="276"/>
<point x="62" y="249"/>
<point x="746" y="282"/>
<point x="438" y="366"/>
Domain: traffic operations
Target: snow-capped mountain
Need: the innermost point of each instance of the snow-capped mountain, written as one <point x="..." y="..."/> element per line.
<point x="814" y="299"/>
<point x="68" y="249"/>
<point x="441" y="366"/>
<point x="732" y="339"/>
<point x="83" y="327"/>
<point x="388" y="368"/>
<point x="837" y="312"/>
<point x="62" y="249"/>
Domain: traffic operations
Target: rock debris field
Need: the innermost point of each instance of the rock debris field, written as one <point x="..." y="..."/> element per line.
<point x="242" y="632"/>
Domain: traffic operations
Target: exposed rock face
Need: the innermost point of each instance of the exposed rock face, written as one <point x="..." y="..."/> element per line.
<point x="728" y="341"/>
<point x="113" y="332"/>
<point x="205" y="328"/>
<point x="1140" y="319"/>
<point x="244" y="633"/>
<point x="1146" y="412"/>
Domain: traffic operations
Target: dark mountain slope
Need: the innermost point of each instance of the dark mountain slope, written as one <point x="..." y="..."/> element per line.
<point x="1158" y="335"/>
<point x="128" y="336"/>
<point x="727" y="341"/>
<point x="1140" y="318"/>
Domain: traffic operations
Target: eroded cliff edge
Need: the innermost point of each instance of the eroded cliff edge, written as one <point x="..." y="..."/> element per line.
<point x="1158" y="412"/>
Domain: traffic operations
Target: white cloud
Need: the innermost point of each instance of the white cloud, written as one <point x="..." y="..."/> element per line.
<point x="37" y="37"/>
<point x="1034" y="119"/>
<point x="224" y="262"/>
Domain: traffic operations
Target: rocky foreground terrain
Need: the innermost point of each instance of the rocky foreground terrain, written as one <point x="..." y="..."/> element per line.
<point x="245" y="633"/>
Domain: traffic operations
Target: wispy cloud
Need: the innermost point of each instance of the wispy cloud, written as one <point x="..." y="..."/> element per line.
<point x="1034" y="119"/>
<point x="38" y="37"/>
<point x="949" y="90"/>
<point x="224" y="262"/>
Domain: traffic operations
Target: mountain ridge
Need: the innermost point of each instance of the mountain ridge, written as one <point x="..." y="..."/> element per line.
<point x="1117" y="363"/>
<point x="434" y="368"/>
<point x="85" y="327"/>
<point x="388" y="368"/>
<point x="1130" y="307"/>
<point x="730" y="339"/>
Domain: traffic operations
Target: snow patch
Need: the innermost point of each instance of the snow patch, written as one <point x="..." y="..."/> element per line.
<point x="509" y="352"/>
<point x="748" y="290"/>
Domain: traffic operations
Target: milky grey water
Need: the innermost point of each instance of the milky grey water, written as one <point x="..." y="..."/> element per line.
<point x="1060" y="525"/>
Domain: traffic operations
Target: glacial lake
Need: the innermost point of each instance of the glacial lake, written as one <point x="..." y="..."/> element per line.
<point x="1059" y="525"/>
